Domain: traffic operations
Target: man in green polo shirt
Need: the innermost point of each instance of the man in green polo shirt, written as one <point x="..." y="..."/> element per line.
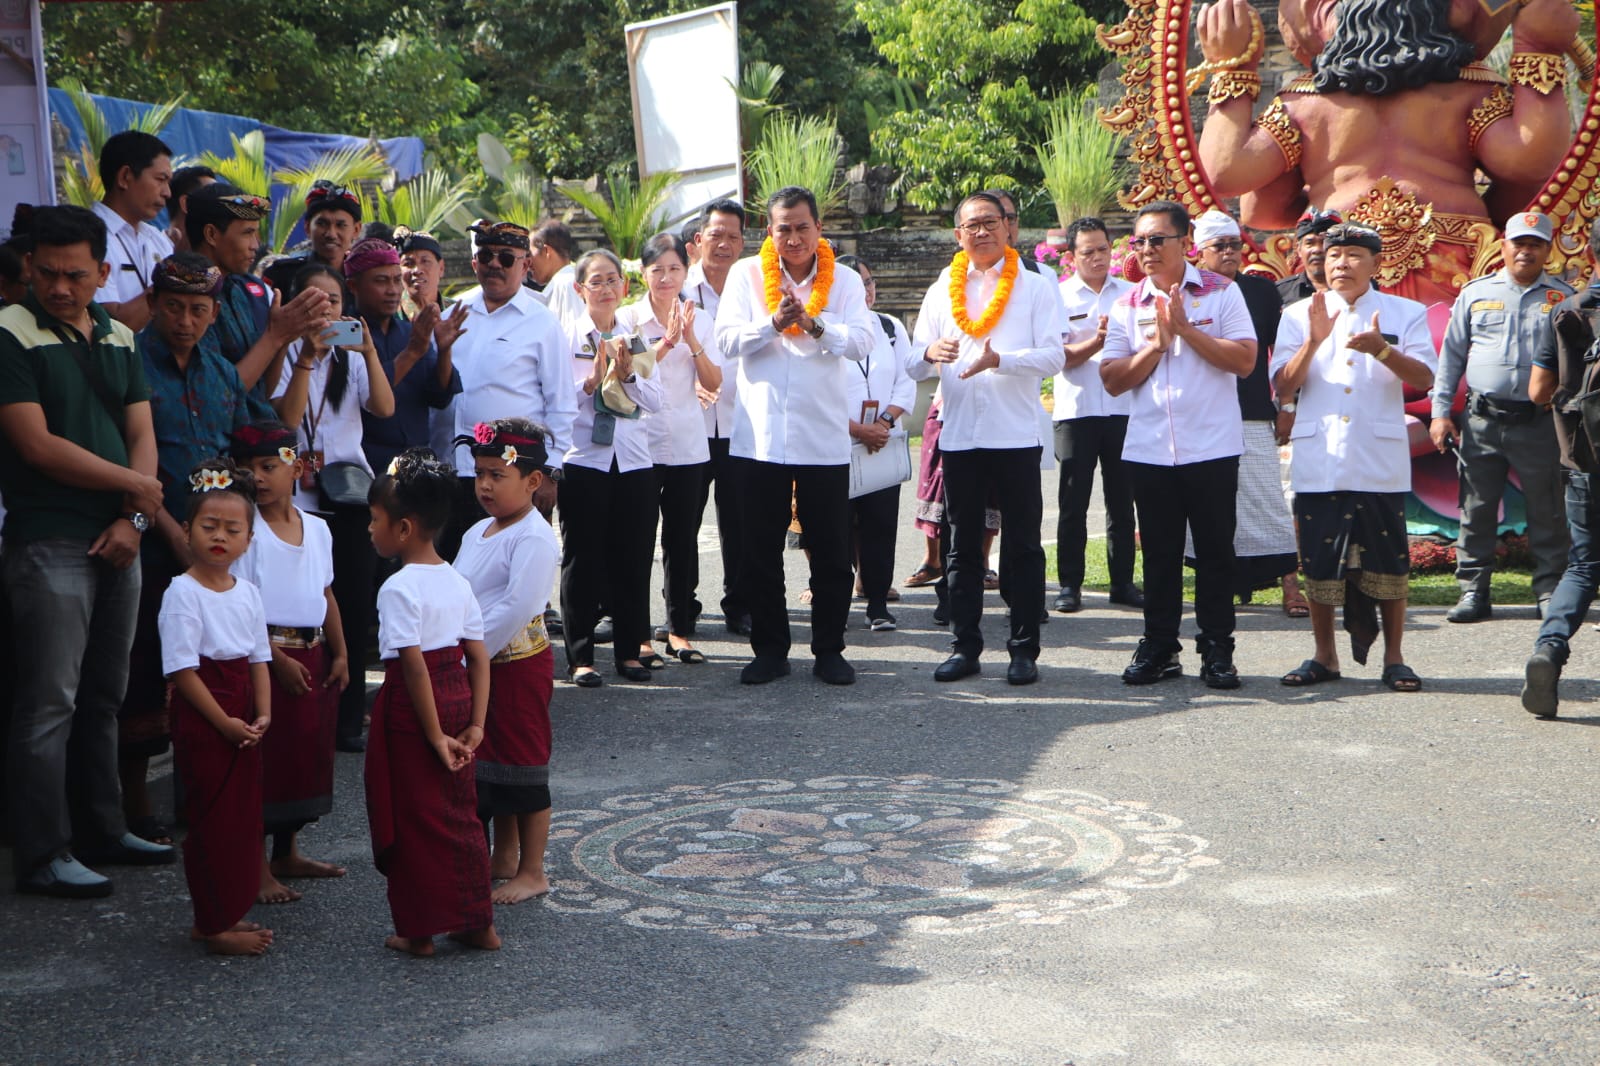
<point x="77" y="470"/>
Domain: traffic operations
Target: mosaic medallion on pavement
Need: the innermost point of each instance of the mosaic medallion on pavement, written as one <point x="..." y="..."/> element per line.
<point x="835" y="858"/>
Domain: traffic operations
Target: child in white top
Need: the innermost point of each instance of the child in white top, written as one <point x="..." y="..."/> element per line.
<point x="510" y="558"/>
<point x="214" y="647"/>
<point x="428" y="720"/>
<point x="290" y="559"/>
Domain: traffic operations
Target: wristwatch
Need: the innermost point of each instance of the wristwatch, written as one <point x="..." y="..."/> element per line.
<point x="1286" y="408"/>
<point x="554" y="474"/>
<point x="816" y="329"/>
<point x="1383" y="356"/>
<point x="140" y="520"/>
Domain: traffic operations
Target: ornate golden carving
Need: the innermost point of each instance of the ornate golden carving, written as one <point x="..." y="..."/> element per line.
<point x="1276" y="121"/>
<point x="1496" y="106"/>
<point x="1232" y="84"/>
<point x="1406" y="225"/>
<point x="1543" y="72"/>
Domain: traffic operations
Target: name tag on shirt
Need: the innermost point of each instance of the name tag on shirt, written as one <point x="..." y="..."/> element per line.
<point x="1204" y="321"/>
<point x="1486" y="305"/>
<point x="1078" y="318"/>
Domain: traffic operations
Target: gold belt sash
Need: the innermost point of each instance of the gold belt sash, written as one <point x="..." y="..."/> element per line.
<point x="525" y="645"/>
<point x="295" y="636"/>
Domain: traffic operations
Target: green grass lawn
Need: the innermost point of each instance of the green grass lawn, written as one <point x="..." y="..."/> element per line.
<point x="1428" y="590"/>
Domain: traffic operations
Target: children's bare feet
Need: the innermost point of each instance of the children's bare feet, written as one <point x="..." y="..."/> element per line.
<point x="300" y="866"/>
<point x="421" y="947"/>
<point x="521" y="887"/>
<point x="242" y="927"/>
<point x="483" y="939"/>
<point x="237" y="941"/>
<point x="273" y="890"/>
<point x="503" y="871"/>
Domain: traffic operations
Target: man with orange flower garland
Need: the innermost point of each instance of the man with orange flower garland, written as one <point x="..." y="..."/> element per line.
<point x="992" y="332"/>
<point x="1179" y="342"/>
<point x="787" y="322"/>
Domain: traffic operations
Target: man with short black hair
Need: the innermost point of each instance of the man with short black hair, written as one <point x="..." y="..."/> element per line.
<point x="687" y="233"/>
<point x="136" y="170"/>
<point x="421" y="269"/>
<point x="333" y="222"/>
<point x="1013" y="226"/>
<point x="1179" y="342"/>
<point x="185" y="180"/>
<point x="1308" y="239"/>
<point x="78" y="471"/>
<point x="788" y="321"/>
<point x="719" y="243"/>
<point x="552" y="250"/>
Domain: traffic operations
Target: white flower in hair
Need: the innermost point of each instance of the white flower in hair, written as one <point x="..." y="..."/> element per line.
<point x="287" y="455"/>
<point x="510" y="455"/>
<point x="210" y="480"/>
<point x="394" y="467"/>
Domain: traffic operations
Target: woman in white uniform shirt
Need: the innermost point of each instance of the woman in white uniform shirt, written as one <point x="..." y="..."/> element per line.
<point x="608" y="493"/>
<point x="322" y="392"/>
<point x="686" y="356"/>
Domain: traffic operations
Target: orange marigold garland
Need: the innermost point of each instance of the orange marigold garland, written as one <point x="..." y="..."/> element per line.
<point x="820" y="287"/>
<point x="997" y="302"/>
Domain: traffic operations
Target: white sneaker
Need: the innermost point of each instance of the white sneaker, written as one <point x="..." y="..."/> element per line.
<point x="881" y="625"/>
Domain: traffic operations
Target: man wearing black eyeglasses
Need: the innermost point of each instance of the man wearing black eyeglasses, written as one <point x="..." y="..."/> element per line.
<point x="1178" y="343"/>
<point x="514" y="362"/>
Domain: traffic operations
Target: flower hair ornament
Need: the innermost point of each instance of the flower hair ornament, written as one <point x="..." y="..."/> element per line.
<point x="209" y="480"/>
<point x="512" y="447"/>
<point x="287" y="456"/>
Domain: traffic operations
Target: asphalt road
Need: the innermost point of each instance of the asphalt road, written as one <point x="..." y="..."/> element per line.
<point x="911" y="873"/>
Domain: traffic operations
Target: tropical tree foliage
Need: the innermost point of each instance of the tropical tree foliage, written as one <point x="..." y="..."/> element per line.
<point x="81" y="182"/>
<point x="1079" y="160"/>
<point x="247" y="168"/>
<point x="797" y="150"/>
<point x="631" y="212"/>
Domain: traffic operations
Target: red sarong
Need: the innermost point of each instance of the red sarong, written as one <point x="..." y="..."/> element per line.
<point x="221" y="800"/>
<point x="426" y="837"/>
<point x="297" y="752"/>
<point x="516" y="735"/>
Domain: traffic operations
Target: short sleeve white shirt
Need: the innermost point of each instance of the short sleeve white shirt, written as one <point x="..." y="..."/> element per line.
<point x="512" y="574"/>
<point x="997" y="408"/>
<point x="196" y="623"/>
<point x="676" y="437"/>
<point x="333" y="431"/>
<point x="293" y="579"/>
<point x="132" y="252"/>
<point x="513" y="364"/>
<point x="1350" y="421"/>
<point x="1187" y="410"/>
<point x="786" y="403"/>
<point x="427" y="607"/>
<point x="1079" y="393"/>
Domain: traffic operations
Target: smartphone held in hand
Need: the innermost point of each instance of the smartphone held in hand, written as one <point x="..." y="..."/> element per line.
<point x="343" y="333"/>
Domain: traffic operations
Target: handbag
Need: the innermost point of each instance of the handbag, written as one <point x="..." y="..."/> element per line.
<point x="344" y="485"/>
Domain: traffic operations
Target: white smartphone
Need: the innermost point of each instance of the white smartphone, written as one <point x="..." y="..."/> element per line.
<point x="343" y="333"/>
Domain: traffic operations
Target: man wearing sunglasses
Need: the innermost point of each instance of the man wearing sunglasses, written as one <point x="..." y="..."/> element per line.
<point x="253" y="326"/>
<point x="1178" y="343"/>
<point x="514" y="362"/>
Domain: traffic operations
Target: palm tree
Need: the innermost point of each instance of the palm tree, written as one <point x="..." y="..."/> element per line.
<point x="80" y="179"/>
<point x="247" y="169"/>
<point x="424" y="204"/>
<point x="629" y="213"/>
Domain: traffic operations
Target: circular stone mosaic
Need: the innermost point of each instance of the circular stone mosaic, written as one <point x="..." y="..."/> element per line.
<point x="832" y="858"/>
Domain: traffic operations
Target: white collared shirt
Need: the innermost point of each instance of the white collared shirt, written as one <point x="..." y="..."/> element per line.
<point x="676" y="431"/>
<point x="1350" y="421"/>
<point x="884" y="375"/>
<point x="630" y="443"/>
<point x="997" y="408"/>
<point x="560" y="295"/>
<point x="335" y="432"/>
<point x="1187" y="410"/>
<point x="132" y="251"/>
<point x="1079" y="392"/>
<point x="513" y="364"/>
<point x="718" y="416"/>
<point x="787" y="405"/>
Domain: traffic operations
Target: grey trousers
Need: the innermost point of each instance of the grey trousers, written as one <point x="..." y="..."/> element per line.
<point x="73" y="619"/>
<point x="1489" y="450"/>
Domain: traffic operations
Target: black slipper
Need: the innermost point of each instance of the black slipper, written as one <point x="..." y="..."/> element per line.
<point x="1309" y="672"/>
<point x="1401" y="678"/>
<point x="652" y="661"/>
<point x="692" y="656"/>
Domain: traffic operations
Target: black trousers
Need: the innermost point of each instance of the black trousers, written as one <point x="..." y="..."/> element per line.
<point x="969" y="478"/>
<point x="874" y="520"/>
<point x="821" y="497"/>
<point x="608" y="535"/>
<point x="1081" y="444"/>
<point x="730" y="522"/>
<point x="682" y="500"/>
<point x="1200" y="497"/>
<point x="355" y="565"/>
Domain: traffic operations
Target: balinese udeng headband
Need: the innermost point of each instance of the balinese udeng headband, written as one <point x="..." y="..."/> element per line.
<point x="325" y="195"/>
<point x="407" y="240"/>
<point x="173" y="275"/>
<point x="1315" y="221"/>
<point x="1354" y="235"/>
<point x="251" y="442"/>
<point x="219" y="203"/>
<point x="367" y="253"/>
<point x="512" y="447"/>
<point x="500" y="235"/>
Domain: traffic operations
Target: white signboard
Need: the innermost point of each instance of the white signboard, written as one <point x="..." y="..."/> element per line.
<point x="682" y="70"/>
<point x="26" y="176"/>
